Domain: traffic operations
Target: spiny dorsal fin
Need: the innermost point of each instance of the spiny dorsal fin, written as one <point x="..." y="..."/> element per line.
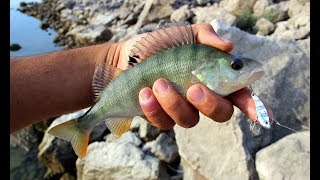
<point x="102" y="76"/>
<point x="164" y="37"/>
<point x="118" y="126"/>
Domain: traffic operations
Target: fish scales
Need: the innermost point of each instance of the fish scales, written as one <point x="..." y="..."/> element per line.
<point x="120" y="98"/>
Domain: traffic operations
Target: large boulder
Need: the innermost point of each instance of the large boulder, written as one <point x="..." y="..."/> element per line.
<point x="213" y="150"/>
<point x="292" y="151"/>
<point x="119" y="159"/>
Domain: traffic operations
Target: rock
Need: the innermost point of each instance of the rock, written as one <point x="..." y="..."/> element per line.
<point x="203" y="2"/>
<point x="181" y="14"/>
<point x="103" y="19"/>
<point x="164" y="147"/>
<point x="15" y="47"/>
<point x="24" y="163"/>
<point x="90" y="34"/>
<point x="301" y="21"/>
<point x="120" y="159"/>
<point x="295" y="34"/>
<point x="260" y="6"/>
<point x="44" y="25"/>
<point x="147" y="131"/>
<point x="212" y="150"/>
<point x="57" y="154"/>
<point x="22" y="4"/>
<point x="153" y="11"/>
<point x="67" y="176"/>
<point x="207" y="14"/>
<point x="235" y="6"/>
<point x="288" y="158"/>
<point x="264" y="26"/>
<point x="297" y="7"/>
<point x="277" y="12"/>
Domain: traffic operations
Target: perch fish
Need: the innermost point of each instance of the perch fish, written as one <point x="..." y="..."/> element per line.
<point x="169" y="52"/>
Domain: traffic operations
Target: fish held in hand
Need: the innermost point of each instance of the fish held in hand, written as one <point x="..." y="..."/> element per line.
<point x="169" y="52"/>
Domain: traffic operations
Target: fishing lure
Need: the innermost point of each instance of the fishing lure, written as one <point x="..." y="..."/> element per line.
<point x="262" y="115"/>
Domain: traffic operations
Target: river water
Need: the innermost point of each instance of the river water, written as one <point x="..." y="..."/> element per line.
<point x="25" y="31"/>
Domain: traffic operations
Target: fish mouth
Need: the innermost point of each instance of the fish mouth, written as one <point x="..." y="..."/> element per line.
<point x="256" y="74"/>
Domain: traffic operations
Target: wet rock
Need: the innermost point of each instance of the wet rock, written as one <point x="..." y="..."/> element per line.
<point x="15" y="47"/>
<point x="120" y="159"/>
<point x="207" y="14"/>
<point x="292" y="151"/>
<point x="264" y="26"/>
<point x="24" y="163"/>
<point x="44" y="25"/>
<point x="164" y="147"/>
<point x="181" y="14"/>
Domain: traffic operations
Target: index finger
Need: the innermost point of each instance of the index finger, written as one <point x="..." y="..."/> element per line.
<point x="243" y="100"/>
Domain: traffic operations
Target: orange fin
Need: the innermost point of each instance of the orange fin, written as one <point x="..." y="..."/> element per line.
<point x="69" y="131"/>
<point x="118" y="126"/>
<point x="102" y="76"/>
<point x="164" y="37"/>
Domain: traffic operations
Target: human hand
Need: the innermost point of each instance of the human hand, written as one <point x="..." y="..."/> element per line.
<point x="164" y="106"/>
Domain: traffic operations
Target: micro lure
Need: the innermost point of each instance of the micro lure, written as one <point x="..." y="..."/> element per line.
<point x="262" y="115"/>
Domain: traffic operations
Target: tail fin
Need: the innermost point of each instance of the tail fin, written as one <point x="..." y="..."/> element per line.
<point x="69" y="131"/>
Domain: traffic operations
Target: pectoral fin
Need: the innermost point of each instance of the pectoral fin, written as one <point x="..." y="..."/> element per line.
<point x="102" y="76"/>
<point x="207" y="74"/>
<point x="118" y="126"/>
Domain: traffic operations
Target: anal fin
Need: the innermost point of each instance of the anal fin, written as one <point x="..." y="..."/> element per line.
<point x="118" y="126"/>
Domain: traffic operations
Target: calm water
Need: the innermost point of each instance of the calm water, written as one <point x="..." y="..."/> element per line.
<point x="25" y="31"/>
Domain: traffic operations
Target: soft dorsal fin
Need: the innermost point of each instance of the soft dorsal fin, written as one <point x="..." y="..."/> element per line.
<point x="164" y="37"/>
<point x="102" y="76"/>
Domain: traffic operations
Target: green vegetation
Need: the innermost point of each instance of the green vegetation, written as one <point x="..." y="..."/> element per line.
<point x="246" y="20"/>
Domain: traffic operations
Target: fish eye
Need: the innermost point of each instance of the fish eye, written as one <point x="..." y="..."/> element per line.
<point x="237" y="64"/>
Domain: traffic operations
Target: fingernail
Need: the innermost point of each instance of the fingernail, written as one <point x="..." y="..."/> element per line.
<point x="161" y="86"/>
<point x="197" y="95"/>
<point x="145" y="95"/>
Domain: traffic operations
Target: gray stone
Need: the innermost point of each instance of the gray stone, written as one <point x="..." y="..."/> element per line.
<point x="207" y="14"/>
<point x="120" y="159"/>
<point x="103" y="19"/>
<point x="203" y="2"/>
<point x="302" y="20"/>
<point x="295" y="34"/>
<point x="147" y="131"/>
<point x="164" y="147"/>
<point x="288" y="158"/>
<point x="181" y="14"/>
<point x="90" y="34"/>
<point x="212" y="150"/>
<point x="264" y="26"/>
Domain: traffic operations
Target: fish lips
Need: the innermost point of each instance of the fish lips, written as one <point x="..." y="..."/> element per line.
<point x="256" y="74"/>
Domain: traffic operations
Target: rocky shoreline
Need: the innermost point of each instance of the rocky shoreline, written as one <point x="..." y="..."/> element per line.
<point x="277" y="33"/>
